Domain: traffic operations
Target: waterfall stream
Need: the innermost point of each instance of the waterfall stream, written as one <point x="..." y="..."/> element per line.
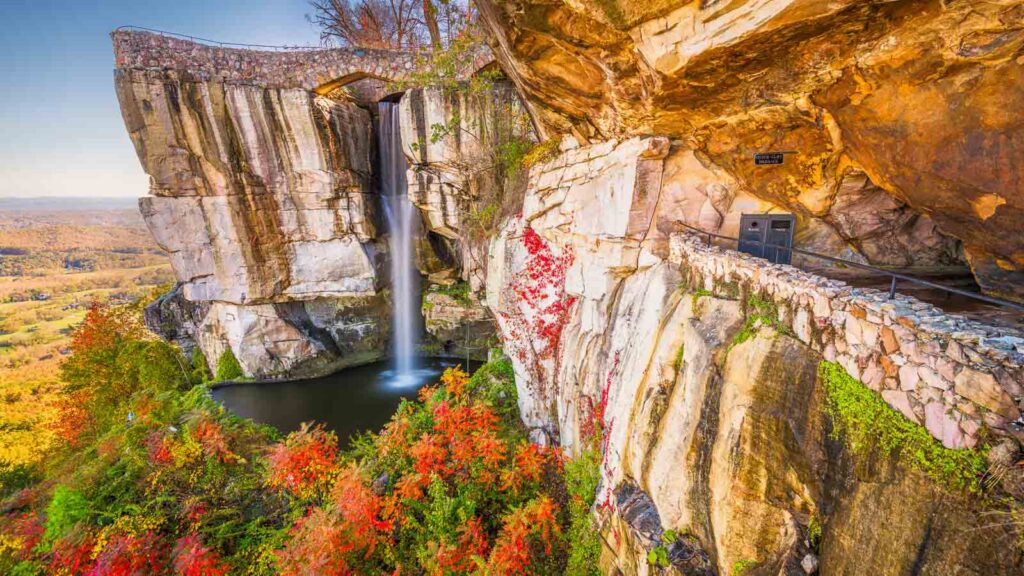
<point x="400" y="215"/>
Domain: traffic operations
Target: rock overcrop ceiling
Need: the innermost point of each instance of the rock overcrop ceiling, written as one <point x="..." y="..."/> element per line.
<point x="920" y="99"/>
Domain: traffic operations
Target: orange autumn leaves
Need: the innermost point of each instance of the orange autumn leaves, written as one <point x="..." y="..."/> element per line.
<point x="305" y="462"/>
<point x="446" y="491"/>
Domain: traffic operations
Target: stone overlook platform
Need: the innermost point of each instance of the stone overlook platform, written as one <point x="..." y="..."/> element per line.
<point x="953" y="375"/>
<point x="315" y="69"/>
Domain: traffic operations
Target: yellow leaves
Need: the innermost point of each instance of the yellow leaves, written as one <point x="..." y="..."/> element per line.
<point x="454" y="381"/>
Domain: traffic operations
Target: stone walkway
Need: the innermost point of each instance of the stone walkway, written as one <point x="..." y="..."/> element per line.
<point x="319" y="70"/>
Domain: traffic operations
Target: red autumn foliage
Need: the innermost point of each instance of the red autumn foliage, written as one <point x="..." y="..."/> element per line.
<point x="92" y="369"/>
<point x="429" y="456"/>
<point x="194" y="511"/>
<point x="449" y="453"/>
<point x="74" y="417"/>
<point x="28" y="529"/>
<point x="458" y="558"/>
<point x="73" y="555"/>
<point x="304" y="462"/>
<point x="211" y="437"/>
<point x="191" y="558"/>
<point x="359" y="508"/>
<point x="102" y="327"/>
<point x="470" y="433"/>
<point x="319" y="546"/>
<point x="330" y="541"/>
<point x="130" y="555"/>
<point x="533" y="327"/>
<point x="528" y="466"/>
<point x="409" y="487"/>
<point x="158" y="449"/>
<point x="522" y="529"/>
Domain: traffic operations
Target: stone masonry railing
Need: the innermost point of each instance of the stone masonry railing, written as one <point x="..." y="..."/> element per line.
<point x="312" y="69"/>
<point x="953" y="375"/>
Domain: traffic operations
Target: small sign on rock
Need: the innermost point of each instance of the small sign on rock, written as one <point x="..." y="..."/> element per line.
<point x="768" y="158"/>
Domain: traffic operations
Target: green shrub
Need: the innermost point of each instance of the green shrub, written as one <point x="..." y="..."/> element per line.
<point x="494" y="383"/>
<point x="658" y="556"/>
<point x="200" y="370"/>
<point x="28" y="568"/>
<point x="459" y="291"/>
<point x="67" y="508"/>
<point x="582" y="475"/>
<point x="814" y="533"/>
<point x="866" y="423"/>
<point x="14" y="477"/>
<point x="228" y="367"/>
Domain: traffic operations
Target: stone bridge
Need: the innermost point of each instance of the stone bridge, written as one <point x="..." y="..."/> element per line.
<point x="316" y="69"/>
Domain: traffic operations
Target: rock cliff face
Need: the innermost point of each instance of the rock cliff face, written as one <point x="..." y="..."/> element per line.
<point x="900" y="115"/>
<point x="452" y="141"/>
<point x="262" y="197"/>
<point x="702" y="367"/>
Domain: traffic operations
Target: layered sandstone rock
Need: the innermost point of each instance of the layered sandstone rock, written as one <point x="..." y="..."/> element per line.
<point x="460" y="325"/>
<point x="607" y="313"/>
<point x="453" y="141"/>
<point x="913" y="99"/>
<point x="262" y="198"/>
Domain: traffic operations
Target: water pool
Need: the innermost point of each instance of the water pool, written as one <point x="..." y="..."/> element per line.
<point x="349" y="401"/>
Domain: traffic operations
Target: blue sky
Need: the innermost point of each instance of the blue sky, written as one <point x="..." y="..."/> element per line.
<point x="61" y="132"/>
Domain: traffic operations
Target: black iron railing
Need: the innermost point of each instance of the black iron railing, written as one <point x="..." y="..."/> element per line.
<point x="217" y="43"/>
<point x="895" y="276"/>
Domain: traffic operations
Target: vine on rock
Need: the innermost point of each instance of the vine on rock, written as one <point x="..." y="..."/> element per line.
<point x="533" y="324"/>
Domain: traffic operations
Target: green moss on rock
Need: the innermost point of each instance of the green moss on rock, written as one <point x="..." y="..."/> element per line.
<point x="760" y="312"/>
<point x="867" y="423"/>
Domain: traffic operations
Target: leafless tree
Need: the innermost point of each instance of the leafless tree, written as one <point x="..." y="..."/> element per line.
<point x="396" y="24"/>
<point x="368" y="23"/>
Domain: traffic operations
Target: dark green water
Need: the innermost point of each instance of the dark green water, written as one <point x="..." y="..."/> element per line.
<point x="350" y="401"/>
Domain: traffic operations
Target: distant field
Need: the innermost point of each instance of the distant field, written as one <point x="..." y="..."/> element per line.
<point x="56" y="258"/>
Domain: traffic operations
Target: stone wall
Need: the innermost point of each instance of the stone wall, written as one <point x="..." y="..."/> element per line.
<point x="309" y="69"/>
<point x="948" y="373"/>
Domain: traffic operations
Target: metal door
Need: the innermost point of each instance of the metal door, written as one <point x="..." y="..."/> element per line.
<point x="752" y="234"/>
<point x="779" y="233"/>
<point x="767" y="236"/>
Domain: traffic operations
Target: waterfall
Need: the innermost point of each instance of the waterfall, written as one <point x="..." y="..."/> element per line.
<point x="401" y="221"/>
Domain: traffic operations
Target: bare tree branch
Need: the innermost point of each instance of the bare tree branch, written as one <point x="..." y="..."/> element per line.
<point x="395" y="24"/>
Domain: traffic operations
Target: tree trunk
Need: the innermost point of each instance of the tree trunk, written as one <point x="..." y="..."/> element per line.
<point x="430" y="17"/>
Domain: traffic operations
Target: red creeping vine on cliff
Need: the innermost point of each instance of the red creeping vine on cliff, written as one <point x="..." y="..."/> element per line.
<point x="606" y="431"/>
<point x="534" y="324"/>
<point x="595" y="432"/>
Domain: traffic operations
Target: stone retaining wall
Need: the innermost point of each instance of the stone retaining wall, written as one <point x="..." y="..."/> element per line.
<point x="953" y="375"/>
<point x="311" y="69"/>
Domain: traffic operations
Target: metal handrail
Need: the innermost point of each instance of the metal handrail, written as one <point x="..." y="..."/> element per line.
<point x="217" y="42"/>
<point x="895" y="275"/>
